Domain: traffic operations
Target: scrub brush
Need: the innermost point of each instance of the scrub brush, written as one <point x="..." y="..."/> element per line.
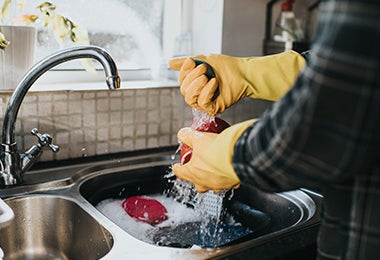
<point x="209" y="203"/>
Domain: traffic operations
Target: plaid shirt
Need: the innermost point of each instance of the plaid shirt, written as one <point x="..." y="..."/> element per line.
<point x="325" y="132"/>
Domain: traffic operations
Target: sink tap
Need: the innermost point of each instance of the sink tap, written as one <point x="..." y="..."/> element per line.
<point x="12" y="163"/>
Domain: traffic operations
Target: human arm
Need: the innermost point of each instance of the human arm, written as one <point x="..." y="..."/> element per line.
<point x="326" y="128"/>
<point x="268" y="77"/>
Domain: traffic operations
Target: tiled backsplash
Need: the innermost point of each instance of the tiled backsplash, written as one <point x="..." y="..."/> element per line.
<point x="88" y="123"/>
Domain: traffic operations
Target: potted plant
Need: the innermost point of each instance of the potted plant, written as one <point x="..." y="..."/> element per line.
<point x="18" y="36"/>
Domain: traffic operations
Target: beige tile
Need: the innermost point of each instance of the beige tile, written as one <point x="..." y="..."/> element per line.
<point x="115" y="146"/>
<point x="127" y="144"/>
<point x="102" y="105"/>
<point x="153" y="142"/>
<point x="102" y="119"/>
<point x="90" y="135"/>
<point x="102" y="134"/>
<point x="140" y="116"/>
<point x="60" y="108"/>
<point x="28" y="109"/>
<point x="89" y="106"/>
<point x="102" y="148"/>
<point x="75" y="107"/>
<point x="115" y="117"/>
<point x="89" y="120"/>
<point x="141" y="102"/>
<point x="115" y="133"/>
<point x="62" y="138"/>
<point x="128" y="103"/>
<point x="128" y="117"/>
<point x="75" y="121"/>
<point x="140" y="143"/>
<point x="115" y="104"/>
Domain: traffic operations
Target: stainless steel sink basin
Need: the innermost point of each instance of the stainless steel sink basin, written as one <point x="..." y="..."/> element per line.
<point x="285" y="210"/>
<point x="52" y="227"/>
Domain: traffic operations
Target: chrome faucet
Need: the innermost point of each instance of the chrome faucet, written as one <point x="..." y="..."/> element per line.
<point x="12" y="163"/>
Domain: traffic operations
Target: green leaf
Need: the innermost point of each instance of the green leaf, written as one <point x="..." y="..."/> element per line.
<point x="5" y="9"/>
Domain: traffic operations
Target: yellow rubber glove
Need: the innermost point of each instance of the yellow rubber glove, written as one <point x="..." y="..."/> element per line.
<point x="268" y="77"/>
<point x="210" y="166"/>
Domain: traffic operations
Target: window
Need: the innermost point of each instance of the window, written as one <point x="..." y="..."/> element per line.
<point x="130" y="30"/>
<point x="141" y="35"/>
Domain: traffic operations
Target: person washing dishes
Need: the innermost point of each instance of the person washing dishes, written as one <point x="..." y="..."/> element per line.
<point x="323" y="132"/>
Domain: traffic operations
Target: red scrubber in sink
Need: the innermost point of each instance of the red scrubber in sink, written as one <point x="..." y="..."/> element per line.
<point x="145" y="209"/>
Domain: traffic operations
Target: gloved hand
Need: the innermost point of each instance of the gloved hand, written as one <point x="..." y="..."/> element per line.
<point x="210" y="166"/>
<point x="268" y="77"/>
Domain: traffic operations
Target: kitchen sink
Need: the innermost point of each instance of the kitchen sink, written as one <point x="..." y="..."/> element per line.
<point x="52" y="227"/>
<point x="56" y="214"/>
<point x="262" y="213"/>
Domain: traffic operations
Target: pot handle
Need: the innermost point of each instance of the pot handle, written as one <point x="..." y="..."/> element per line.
<point x="209" y="74"/>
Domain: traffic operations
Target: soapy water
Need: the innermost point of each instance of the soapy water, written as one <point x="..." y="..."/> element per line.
<point x="216" y="226"/>
<point x="185" y="227"/>
<point x="200" y="118"/>
<point x="177" y="213"/>
<point x="190" y="223"/>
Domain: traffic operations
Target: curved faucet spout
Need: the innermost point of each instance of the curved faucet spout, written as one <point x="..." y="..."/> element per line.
<point x="110" y="69"/>
<point x="10" y="157"/>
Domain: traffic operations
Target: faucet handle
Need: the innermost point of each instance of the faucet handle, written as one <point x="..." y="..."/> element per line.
<point x="45" y="140"/>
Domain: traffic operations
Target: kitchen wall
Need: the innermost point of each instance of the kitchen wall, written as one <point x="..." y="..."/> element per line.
<point x="244" y="24"/>
<point x="237" y="27"/>
<point x="96" y="122"/>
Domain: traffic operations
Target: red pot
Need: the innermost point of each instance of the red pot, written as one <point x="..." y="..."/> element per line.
<point x="217" y="125"/>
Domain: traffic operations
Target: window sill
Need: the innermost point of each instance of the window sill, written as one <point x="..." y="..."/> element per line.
<point x="83" y="86"/>
<point x="84" y="81"/>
